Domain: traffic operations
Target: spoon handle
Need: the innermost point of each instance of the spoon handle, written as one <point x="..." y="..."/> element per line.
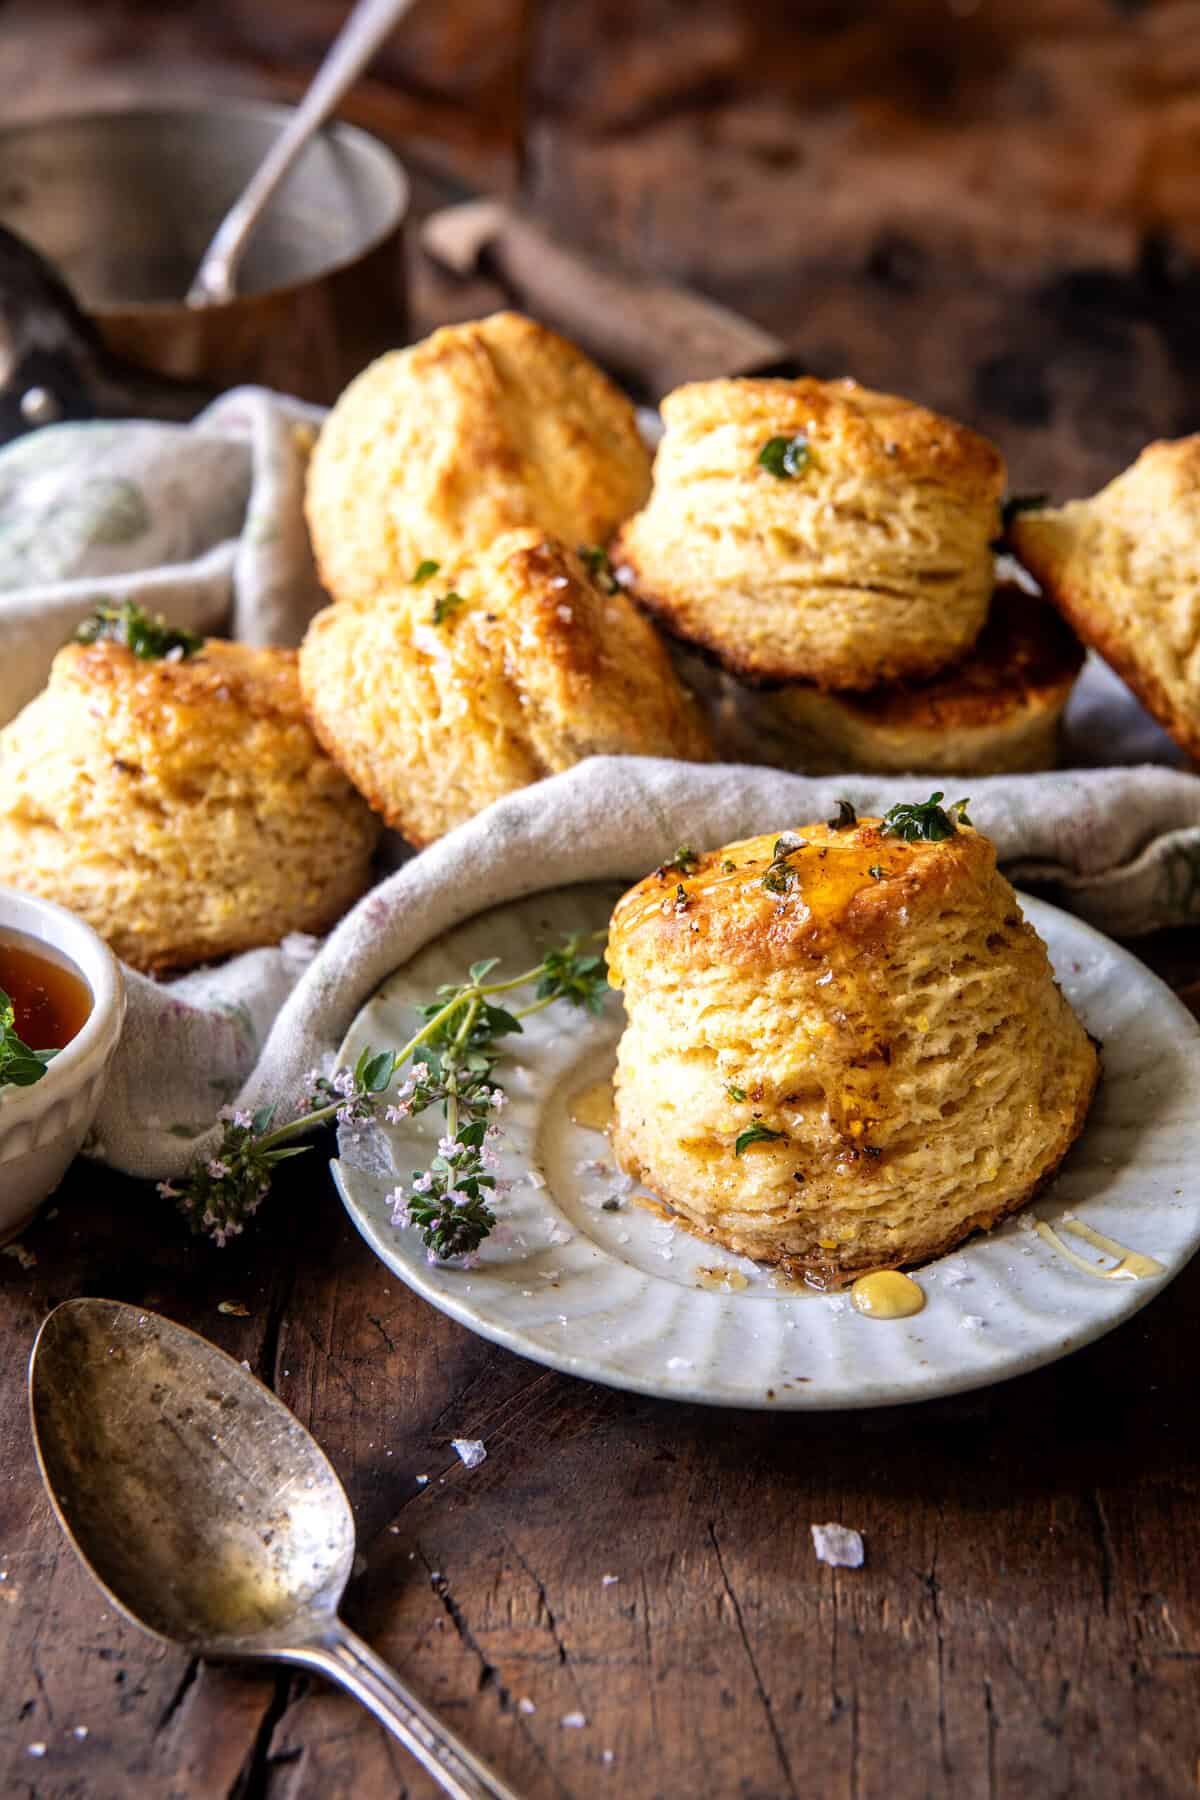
<point x="342" y="1657"/>
<point x="365" y="29"/>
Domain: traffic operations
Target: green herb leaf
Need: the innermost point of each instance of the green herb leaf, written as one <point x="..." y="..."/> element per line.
<point x="595" y="559"/>
<point x="425" y="570"/>
<point x="927" y="821"/>
<point x="785" y="457"/>
<point x="575" y="974"/>
<point x="846" y="819"/>
<point x="685" y="860"/>
<point x="149" y="638"/>
<point x="735" y="1093"/>
<point x="379" y="1071"/>
<point x="780" y="877"/>
<point x="444" y="608"/>
<point x="19" y="1065"/>
<point x="728" y="868"/>
<point x="755" y="1134"/>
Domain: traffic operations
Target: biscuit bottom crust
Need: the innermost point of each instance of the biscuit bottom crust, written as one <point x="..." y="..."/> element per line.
<point x="996" y="712"/>
<point x="899" y="1034"/>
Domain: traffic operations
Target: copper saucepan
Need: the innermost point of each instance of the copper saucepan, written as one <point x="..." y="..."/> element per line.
<point x="123" y="205"/>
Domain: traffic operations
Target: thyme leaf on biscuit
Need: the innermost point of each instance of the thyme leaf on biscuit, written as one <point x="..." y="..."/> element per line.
<point x="755" y="1134"/>
<point x="780" y="877"/>
<point x="785" y="457"/>
<point x="19" y="1065"/>
<point x="446" y="606"/>
<point x="425" y="570"/>
<point x="925" y="821"/>
<point x="595" y="559"/>
<point x="846" y="818"/>
<point x="149" y="637"/>
<point x="450" y="1062"/>
<point x="685" y="860"/>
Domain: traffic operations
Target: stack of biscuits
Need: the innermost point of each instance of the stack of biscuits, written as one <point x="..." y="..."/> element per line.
<point x="460" y="499"/>
<point x="822" y="557"/>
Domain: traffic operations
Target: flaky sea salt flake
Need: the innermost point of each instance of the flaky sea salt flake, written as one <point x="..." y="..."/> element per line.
<point x="470" y="1451"/>
<point x="838" y="1545"/>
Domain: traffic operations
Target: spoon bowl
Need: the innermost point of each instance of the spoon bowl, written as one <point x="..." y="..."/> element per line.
<point x="208" y="1514"/>
<point x="203" y="1507"/>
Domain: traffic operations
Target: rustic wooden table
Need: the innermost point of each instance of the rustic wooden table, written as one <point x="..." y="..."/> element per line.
<point x="985" y="206"/>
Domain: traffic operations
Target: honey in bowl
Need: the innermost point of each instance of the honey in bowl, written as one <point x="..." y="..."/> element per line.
<point x="49" y="995"/>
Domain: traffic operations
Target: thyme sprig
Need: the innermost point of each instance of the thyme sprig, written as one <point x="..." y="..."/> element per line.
<point x="926" y="820"/>
<point x="451" y="1060"/>
<point x="19" y="1065"/>
<point x="149" y="637"/>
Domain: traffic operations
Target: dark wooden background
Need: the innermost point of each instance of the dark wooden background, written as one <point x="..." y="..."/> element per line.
<point x="993" y="207"/>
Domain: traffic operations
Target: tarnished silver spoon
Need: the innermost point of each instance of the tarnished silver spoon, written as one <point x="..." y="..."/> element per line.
<point x="208" y="1514"/>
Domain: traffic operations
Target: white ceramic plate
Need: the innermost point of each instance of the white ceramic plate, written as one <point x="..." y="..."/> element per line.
<point x="617" y="1296"/>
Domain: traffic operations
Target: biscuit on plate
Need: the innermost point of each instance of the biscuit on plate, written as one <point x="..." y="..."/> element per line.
<point x="1124" y="569"/>
<point x="996" y="712"/>
<point x="816" y="531"/>
<point x="435" y="450"/>
<point x="183" y="808"/>
<point x="843" y="1050"/>
<point x="437" y="699"/>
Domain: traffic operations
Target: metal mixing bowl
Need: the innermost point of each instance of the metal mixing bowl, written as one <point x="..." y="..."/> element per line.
<point x="124" y="204"/>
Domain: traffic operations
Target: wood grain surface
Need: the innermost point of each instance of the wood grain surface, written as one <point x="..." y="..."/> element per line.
<point x="992" y="207"/>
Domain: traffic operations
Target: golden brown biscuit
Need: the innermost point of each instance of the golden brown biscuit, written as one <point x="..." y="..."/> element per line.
<point x="434" y="451"/>
<point x="183" y="808"/>
<point x="869" y="562"/>
<point x="437" y="700"/>
<point x="996" y="712"/>
<point x="879" y="1009"/>
<point x="1124" y="568"/>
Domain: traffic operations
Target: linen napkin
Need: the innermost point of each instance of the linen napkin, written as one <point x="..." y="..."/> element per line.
<point x="204" y="523"/>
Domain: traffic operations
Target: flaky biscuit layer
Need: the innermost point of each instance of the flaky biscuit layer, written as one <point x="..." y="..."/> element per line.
<point x="884" y="1012"/>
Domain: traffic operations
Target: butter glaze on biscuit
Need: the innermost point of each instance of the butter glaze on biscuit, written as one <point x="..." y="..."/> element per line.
<point x="532" y="669"/>
<point x="183" y="808"/>
<point x="1124" y="569"/>
<point x="891" y="1015"/>
<point x="870" y="564"/>
<point x="436" y="450"/>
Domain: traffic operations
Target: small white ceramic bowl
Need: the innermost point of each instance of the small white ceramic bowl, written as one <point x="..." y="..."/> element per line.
<point x="43" y="1126"/>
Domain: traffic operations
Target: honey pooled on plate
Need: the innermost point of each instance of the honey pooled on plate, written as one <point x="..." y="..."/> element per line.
<point x="887" y="1294"/>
